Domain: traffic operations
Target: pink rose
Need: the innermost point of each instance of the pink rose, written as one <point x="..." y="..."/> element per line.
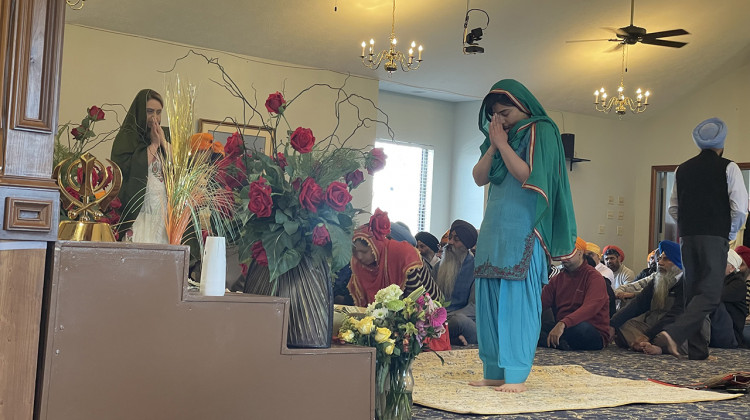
<point x="234" y="145"/>
<point x="310" y="195"/>
<point x="380" y="225"/>
<point x="320" y="236"/>
<point x="96" y="113"/>
<point x="375" y="161"/>
<point x="259" y="253"/>
<point x="260" y="198"/>
<point x="354" y="178"/>
<point x="337" y="196"/>
<point x="275" y="103"/>
<point x="302" y="140"/>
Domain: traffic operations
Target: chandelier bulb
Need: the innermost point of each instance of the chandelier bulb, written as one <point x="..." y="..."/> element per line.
<point x="413" y="44"/>
<point x="372" y="41"/>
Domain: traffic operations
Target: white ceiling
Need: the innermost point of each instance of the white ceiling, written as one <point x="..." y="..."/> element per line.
<point x="525" y="40"/>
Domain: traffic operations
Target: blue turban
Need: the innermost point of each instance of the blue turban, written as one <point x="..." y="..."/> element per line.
<point x="401" y="233"/>
<point x="672" y="250"/>
<point x="710" y="134"/>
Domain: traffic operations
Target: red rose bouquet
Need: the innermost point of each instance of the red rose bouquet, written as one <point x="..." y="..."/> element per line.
<point x="295" y="200"/>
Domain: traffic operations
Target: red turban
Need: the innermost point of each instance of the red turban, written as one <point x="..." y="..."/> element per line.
<point x="616" y="249"/>
<point x="744" y="253"/>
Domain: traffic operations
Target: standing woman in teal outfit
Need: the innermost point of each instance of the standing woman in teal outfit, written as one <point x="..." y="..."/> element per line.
<point x="528" y="220"/>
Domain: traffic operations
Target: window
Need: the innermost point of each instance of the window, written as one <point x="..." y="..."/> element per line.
<point x="404" y="187"/>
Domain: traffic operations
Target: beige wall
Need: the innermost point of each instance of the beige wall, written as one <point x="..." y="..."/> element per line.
<point x="104" y="67"/>
<point x="666" y="138"/>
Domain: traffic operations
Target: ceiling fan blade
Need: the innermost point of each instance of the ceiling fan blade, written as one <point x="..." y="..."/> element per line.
<point x="617" y="47"/>
<point x="664" y="34"/>
<point x="616" y="31"/>
<point x="590" y="40"/>
<point x="663" y="43"/>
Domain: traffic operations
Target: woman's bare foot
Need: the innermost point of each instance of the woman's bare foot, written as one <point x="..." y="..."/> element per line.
<point x="511" y="388"/>
<point x="463" y="341"/>
<point x="651" y="349"/>
<point x="488" y="382"/>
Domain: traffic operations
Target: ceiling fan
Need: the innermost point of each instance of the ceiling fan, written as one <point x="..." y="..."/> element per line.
<point x="631" y="34"/>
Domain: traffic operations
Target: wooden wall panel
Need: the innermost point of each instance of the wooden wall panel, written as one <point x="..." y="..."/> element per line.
<point x="33" y="86"/>
<point x="5" y="30"/>
<point x="21" y="284"/>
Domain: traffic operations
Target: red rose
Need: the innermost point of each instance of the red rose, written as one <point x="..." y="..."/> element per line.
<point x="354" y="178"/>
<point x="96" y="113"/>
<point x="281" y="160"/>
<point x="260" y="198"/>
<point x="375" y="161"/>
<point x="204" y="235"/>
<point x="337" y="196"/>
<point x="115" y="204"/>
<point x="245" y="269"/>
<point x="302" y="140"/>
<point x="296" y="184"/>
<point x="379" y="224"/>
<point x="234" y="148"/>
<point x="320" y="235"/>
<point x="73" y="192"/>
<point x="310" y="195"/>
<point x="259" y="253"/>
<point x="275" y="103"/>
<point x="108" y="177"/>
<point x="78" y="132"/>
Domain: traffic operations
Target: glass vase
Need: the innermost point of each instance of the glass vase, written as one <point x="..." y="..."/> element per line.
<point x="394" y="384"/>
<point x="310" y="291"/>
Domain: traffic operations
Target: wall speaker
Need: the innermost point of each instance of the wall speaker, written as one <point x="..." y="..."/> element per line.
<point x="568" y="141"/>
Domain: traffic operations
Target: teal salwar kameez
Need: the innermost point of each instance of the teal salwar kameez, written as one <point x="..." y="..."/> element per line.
<point x="524" y="225"/>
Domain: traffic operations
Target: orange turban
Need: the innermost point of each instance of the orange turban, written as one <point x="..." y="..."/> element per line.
<point x="580" y="244"/>
<point x="444" y="239"/>
<point x="592" y="247"/>
<point x="612" y="248"/>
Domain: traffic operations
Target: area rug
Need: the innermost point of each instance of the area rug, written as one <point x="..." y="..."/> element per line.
<point x="550" y="388"/>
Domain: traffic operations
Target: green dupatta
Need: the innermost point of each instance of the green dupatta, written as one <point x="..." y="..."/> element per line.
<point x="555" y="218"/>
<point x="129" y="152"/>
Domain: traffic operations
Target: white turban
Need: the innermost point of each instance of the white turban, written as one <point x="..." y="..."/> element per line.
<point x="734" y="259"/>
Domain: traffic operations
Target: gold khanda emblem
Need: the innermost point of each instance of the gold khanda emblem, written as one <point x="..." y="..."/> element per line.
<point x="92" y="198"/>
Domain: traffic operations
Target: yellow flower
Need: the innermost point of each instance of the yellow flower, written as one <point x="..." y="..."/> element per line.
<point x="365" y="325"/>
<point x="389" y="348"/>
<point x="347" y="335"/>
<point x="382" y="334"/>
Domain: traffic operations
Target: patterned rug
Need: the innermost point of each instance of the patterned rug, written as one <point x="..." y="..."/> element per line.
<point x="551" y="388"/>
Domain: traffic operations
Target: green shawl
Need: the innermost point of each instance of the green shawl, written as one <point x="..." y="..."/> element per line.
<point x="555" y="219"/>
<point x="130" y="154"/>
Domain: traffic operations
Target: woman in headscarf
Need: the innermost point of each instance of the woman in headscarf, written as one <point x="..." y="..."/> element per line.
<point x="528" y="220"/>
<point x="378" y="262"/>
<point x="138" y="150"/>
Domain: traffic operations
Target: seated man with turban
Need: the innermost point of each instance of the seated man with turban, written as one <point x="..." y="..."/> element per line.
<point x="428" y="245"/>
<point x="728" y="319"/>
<point x="614" y="257"/>
<point x="744" y="253"/>
<point x="636" y="324"/>
<point x="455" y="277"/>
<point x="578" y="301"/>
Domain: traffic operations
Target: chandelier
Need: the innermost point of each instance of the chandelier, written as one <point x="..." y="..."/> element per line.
<point x="75" y="4"/>
<point x="619" y="102"/>
<point x="391" y="58"/>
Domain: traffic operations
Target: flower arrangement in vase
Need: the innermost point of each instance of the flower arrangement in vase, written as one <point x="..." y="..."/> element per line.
<point x="400" y="329"/>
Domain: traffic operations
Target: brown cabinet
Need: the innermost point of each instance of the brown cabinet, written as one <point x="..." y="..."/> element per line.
<point x="31" y="34"/>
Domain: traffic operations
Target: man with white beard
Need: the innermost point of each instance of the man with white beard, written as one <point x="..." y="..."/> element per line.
<point x="455" y="278"/>
<point x="635" y="325"/>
